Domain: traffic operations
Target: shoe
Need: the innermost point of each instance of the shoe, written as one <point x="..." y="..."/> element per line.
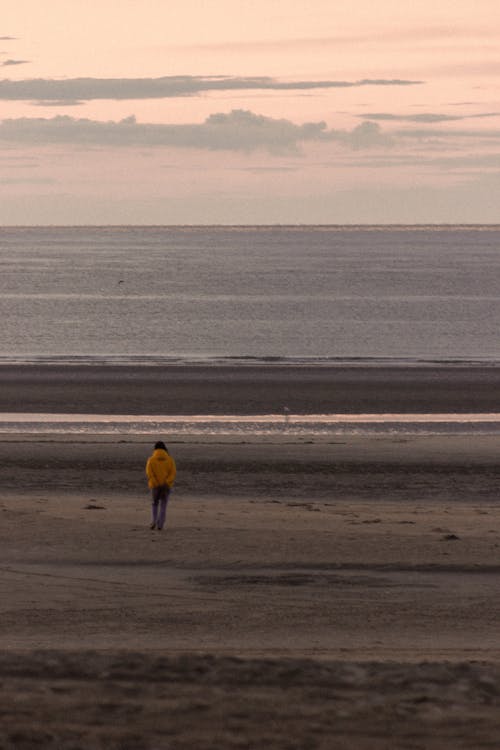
<point x="153" y="526"/>
<point x="159" y="528"/>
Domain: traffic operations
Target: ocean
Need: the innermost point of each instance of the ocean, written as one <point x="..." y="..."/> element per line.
<point x="285" y="296"/>
<point x="290" y="294"/>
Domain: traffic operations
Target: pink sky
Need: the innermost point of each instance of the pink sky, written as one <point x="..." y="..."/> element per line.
<point x="366" y="113"/>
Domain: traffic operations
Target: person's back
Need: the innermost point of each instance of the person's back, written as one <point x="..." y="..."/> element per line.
<point x="161" y="472"/>
<point x="160" y="468"/>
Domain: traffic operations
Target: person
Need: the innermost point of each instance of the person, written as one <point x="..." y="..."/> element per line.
<point x="161" y="472"/>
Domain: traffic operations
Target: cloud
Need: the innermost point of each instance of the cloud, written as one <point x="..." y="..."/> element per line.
<point x="480" y="162"/>
<point x="27" y="181"/>
<point x="245" y="131"/>
<point x="87" y="89"/>
<point x="424" y="117"/>
<point x="6" y="63"/>
<point x="435" y="133"/>
<point x="368" y="135"/>
<point x="467" y="163"/>
<point x="58" y="103"/>
<point x="238" y="130"/>
<point x="262" y="170"/>
<point x="397" y="35"/>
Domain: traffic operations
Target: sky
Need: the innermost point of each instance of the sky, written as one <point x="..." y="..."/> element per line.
<point x="256" y="112"/>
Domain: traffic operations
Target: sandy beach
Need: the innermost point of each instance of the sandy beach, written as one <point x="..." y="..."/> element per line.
<point x="335" y="591"/>
<point x="325" y="550"/>
<point x="327" y="593"/>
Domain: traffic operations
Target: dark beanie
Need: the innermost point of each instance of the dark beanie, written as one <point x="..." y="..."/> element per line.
<point x="160" y="444"/>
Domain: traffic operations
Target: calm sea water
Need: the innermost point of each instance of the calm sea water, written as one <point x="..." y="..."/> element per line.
<point x="312" y="293"/>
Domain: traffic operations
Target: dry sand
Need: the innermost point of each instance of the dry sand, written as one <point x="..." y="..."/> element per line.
<point x="339" y="593"/>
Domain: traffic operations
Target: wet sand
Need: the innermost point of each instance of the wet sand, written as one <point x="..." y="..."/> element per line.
<point x="336" y="593"/>
<point x="249" y="389"/>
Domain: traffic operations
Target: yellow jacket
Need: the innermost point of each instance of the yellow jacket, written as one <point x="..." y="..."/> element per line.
<point x="160" y="469"/>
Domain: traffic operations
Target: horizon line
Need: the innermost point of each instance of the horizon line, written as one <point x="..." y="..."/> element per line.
<point x="275" y="225"/>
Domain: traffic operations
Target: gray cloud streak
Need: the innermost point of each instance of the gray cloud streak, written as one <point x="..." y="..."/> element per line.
<point x="58" y="103"/>
<point x="397" y="159"/>
<point x="435" y="133"/>
<point x="424" y="117"/>
<point x="398" y="36"/>
<point x="239" y="130"/>
<point x="7" y="63"/>
<point x="87" y="89"/>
